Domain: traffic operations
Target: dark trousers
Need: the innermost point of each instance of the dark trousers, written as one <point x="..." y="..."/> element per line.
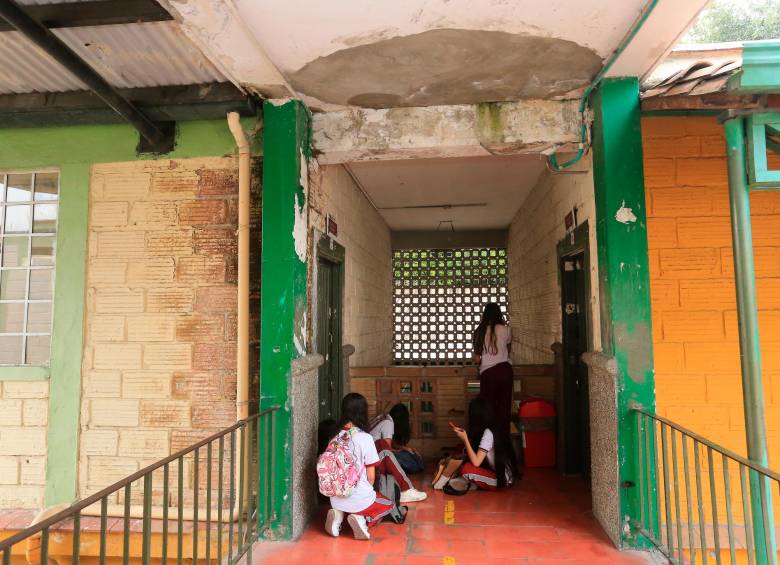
<point x="497" y="386"/>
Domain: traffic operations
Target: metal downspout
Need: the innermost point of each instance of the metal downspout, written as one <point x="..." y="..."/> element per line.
<point x="749" y="342"/>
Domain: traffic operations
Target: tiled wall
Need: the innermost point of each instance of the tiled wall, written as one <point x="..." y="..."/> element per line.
<point x="160" y="349"/>
<point x="368" y="275"/>
<point x="534" y="291"/>
<point x="24" y="407"/>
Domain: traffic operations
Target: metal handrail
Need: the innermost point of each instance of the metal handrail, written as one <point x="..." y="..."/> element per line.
<point x="239" y="491"/>
<point x="704" y="441"/>
<point x="683" y="509"/>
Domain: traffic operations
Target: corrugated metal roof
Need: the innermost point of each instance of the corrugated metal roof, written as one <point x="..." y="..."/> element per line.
<point x="127" y="55"/>
<point x="695" y="79"/>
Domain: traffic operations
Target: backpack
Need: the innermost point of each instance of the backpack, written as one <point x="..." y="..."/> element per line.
<point x="387" y="486"/>
<point x="338" y="470"/>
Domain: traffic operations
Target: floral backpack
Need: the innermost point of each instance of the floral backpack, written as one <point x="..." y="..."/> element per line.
<point x="338" y="470"/>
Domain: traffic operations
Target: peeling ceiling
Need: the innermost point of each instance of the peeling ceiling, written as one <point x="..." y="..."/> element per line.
<point x="380" y="54"/>
<point x="457" y="193"/>
<point x="388" y="54"/>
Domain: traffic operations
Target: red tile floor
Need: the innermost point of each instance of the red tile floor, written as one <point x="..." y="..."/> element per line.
<point x="544" y="519"/>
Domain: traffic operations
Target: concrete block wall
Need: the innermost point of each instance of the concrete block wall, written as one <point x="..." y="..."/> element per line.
<point x="160" y="349"/>
<point x="368" y="270"/>
<point x="24" y="407"/>
<point x="695" y="339"/>
<point x="534" y="288"/>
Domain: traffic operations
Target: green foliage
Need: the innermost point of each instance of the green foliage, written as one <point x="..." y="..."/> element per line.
<point x="731" y="20"/>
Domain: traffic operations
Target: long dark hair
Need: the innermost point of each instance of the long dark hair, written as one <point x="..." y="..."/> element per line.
<point x="491" y="317"/>
<point x="354" y="410"/>
<point x="402" y="428"/>
<point x="481" y="419"/>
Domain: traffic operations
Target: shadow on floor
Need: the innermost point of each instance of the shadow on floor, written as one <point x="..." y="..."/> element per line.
<point x="544" y="519"/>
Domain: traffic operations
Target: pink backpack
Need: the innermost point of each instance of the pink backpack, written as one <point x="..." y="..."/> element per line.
<point x="338" y="470"/>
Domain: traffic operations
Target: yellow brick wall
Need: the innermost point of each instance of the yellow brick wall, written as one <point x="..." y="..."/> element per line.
<point x="368" y="263"/>
<point x="692" y="282"/>
<point x="159" y="354"/>
<point x="24" y="407"/>
<point x="534" y="292"/>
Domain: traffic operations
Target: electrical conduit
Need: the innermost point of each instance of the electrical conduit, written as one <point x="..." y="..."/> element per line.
<point x="585" y="98"/>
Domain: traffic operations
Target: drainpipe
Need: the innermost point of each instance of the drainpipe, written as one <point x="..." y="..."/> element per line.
<point x="749" y="342"/>
<point x="242" y="351"/>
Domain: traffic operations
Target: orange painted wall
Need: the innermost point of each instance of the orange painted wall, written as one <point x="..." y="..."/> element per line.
<point x="692" y="282"/>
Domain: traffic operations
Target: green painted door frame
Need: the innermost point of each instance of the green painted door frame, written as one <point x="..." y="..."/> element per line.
<point x="624" y="280"/>
<point x="284" y="284"/>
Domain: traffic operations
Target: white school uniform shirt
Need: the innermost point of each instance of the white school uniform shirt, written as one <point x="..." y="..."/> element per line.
<point x="384" y="428"/>
<point x="487" y="444"/>
<point x="503" y="339"/>
<point x="363" y="495"/>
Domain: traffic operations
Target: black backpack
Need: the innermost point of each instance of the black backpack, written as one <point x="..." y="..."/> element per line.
<point x="387" y="486"/>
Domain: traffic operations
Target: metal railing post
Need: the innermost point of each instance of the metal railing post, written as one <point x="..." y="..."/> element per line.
<point x="749" y="344"/>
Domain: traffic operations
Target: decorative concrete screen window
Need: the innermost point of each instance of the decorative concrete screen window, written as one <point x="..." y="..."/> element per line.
<point x="28" y="225"/>
<point x="438" y="297"/>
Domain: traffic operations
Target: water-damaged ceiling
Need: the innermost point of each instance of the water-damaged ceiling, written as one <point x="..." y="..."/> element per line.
<point x="375" y="53"/>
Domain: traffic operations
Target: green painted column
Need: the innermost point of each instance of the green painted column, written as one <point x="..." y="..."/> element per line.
<point x="624" y="280"/>
<point x="67" y="336"/>
<point x="284" y="282"/>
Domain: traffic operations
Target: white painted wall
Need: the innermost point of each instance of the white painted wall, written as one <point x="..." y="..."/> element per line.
<point x="534" y="291"/>
<point x="368" y="270"/>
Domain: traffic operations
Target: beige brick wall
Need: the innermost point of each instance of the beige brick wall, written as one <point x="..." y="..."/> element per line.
<point x="24" y="407"/>
<point x="159" y="355"/>
<point x="534" y="291"/>
<point x="368" y="270"/>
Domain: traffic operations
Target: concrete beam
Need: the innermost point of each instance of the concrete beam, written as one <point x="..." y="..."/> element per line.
<point x="506" y="128"/>
<point x="220" y="32"/>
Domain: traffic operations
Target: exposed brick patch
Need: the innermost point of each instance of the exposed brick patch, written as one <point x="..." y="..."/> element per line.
<point x="211" y="356"/>
<point x="200" y="270"/>
<point x="211" y="414"/>
<point x="214" y="182"/>
<point x="202" y="212"/>
<point x="215" y="241"/>
<point x="216" y="299"/>
<point x="161" y="231"/>
<point x="201" y="328"/>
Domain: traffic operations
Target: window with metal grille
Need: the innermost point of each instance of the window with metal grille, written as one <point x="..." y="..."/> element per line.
<point x="438" y="298"/>
<point x="28" y="225"/>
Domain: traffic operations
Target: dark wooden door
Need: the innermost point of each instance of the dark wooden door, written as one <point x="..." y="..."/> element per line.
<point x="329" y="313"/>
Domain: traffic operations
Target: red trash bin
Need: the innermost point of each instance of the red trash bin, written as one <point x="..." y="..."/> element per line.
<point x="537" y="421"/>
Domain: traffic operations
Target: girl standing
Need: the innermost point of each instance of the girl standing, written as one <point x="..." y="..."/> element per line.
<point x="492" y="346"/>
<point x="489" y="463"/>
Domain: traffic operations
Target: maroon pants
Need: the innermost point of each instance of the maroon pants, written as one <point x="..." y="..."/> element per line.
<point x="497" y="386"/>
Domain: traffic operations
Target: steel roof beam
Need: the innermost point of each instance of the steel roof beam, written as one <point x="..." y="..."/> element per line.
<point x="41" y="36"/>
<point x="85" y="14"/>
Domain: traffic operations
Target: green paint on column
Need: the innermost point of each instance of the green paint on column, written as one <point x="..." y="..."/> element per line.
<point x="621" y="228"/>
<point x="67" y="336"/>
<point x="284" y="281"/>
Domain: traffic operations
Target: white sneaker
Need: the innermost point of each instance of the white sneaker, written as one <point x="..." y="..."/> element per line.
<point x="359" y="526"/>
<point x="333" y="522"/>
<point x="412" y="495"/>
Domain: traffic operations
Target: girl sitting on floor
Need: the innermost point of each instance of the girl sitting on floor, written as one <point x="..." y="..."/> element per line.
<point x="392" y="431"/>
<point x="489" y="467"/>
<point x="364" y="507"/>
